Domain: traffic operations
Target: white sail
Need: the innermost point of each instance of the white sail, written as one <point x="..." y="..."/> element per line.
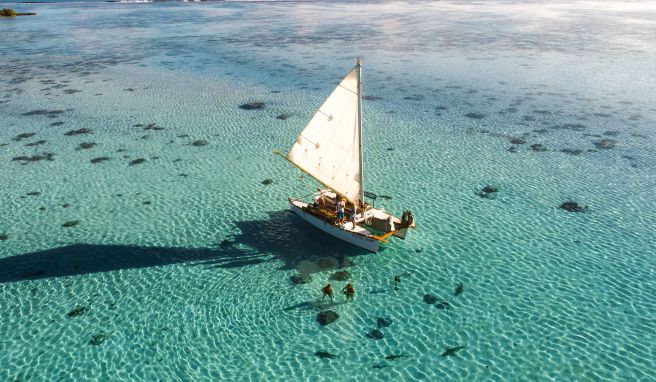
<point x="329" y="147"/>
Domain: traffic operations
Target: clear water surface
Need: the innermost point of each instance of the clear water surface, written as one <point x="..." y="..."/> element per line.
<point x="181" y="257"/>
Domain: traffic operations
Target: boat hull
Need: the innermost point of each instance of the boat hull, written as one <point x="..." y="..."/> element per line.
<point x="361" y="241"/>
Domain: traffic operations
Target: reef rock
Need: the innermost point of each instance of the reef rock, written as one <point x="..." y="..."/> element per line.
<point x="327" y="317"/>
<point x="301" y="278"/>
<point x="98" y="339"/>
<point x="252" y="106"/>
<point x="430" y="299"/>
<point x="83" y="130"/>
<point x="375" y="334"/>
<point x="605" y="143"/>
<point x="573" y="207"/>
<point x="78" y="311"/>
<point x="340" y="276"/>
<point x="383" y="322"/>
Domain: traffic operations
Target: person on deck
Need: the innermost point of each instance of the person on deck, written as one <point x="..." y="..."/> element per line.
<point x="353" y="214"/>
<point x="328" y="291"/>
<point x="341" y="205"/>
<point x="349" y="291"/>
<point x="322" y="198"/>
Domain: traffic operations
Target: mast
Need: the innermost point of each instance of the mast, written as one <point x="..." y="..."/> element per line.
<point x="358" y="66"/>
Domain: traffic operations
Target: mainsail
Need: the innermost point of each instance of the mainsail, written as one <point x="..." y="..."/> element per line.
<point x="329" y="148"/>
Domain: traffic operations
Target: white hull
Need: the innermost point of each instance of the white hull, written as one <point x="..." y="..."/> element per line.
<point x="348" y="236"/>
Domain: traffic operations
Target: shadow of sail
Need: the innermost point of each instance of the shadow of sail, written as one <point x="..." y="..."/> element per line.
<point x="281" y="237"/>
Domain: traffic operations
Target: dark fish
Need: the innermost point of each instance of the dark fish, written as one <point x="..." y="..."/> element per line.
<point x="325" y="354"/>
<point x="395" y="356"/>
<point x="452" y="351"/>
<point x="459" y="289"/>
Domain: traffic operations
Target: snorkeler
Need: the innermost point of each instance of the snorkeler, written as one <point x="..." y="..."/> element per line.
<point x="397" y="282"/>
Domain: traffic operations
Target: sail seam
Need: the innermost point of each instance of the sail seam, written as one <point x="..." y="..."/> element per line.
<point x="344" y="87"/>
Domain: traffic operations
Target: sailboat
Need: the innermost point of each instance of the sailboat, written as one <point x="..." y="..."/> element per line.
<point x="330" y="150"/>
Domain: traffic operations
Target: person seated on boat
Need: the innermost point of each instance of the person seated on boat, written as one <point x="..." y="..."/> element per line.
<point x="321" y="200"/>
<point x="328" y="291"/>
<point x="407" y="219"/>
<point x="340" y="206"/>
<point x="390" y="224"/>
<point x="349" y="291"/>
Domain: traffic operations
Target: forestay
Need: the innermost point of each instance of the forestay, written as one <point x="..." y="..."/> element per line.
<point x="329" y="147"/>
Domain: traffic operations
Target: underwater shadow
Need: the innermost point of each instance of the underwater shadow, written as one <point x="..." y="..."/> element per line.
<point x="285" y="237"/>
<point x="282" y="237"/>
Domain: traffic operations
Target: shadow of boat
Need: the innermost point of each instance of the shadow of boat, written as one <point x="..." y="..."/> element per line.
<point x="282" y="238"/>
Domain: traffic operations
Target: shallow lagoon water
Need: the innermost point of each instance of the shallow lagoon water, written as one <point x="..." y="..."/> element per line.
<point x="183" y="260"/>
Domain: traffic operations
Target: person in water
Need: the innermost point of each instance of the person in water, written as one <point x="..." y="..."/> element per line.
<point x="340" y="211"/>
<point x="328" y="291"/>
<point x="349" y="291"/>
<point x="397" y="282"/>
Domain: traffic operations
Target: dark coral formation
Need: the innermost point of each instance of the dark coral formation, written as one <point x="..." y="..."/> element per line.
<point x="459" y="289"/>
<point x="83" y="130"/>
<point x="383" y="322"/>
<point x="475" y="115"/>
<point x="137" y="161"/>
<point x="78" y="311"/>
<point x="99" y="160"/>
<point x="22" y="136"/>
<point x="375" y="334"/>
<point x="572" y="151"/>
<point x="573" y="207"/>
<point x="487" y="192"/>
<point x="267" y="182"/>
<point x="340" y="276"/>
<point x="71" y="223"/>
<point x="327" y="317"/>
<point x="538" y="147"/>
<point x="34" y="158"/>
<point x="98" y="339"/>
<point x="430" y="299"/>
<point x="252" y="106"/>
<point x="37" y="143"/>
<point x="48" y="113"/>
<point x="301" y="278"/>
<point x="325" y="354"/>
<point x="152" y="126"/>
<point x="86" y="145"/>
<point x="605" y="143"/>
<point x="199" y="143"/>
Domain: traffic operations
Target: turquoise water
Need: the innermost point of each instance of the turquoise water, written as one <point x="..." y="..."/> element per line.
<point x="183" y="261"/>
